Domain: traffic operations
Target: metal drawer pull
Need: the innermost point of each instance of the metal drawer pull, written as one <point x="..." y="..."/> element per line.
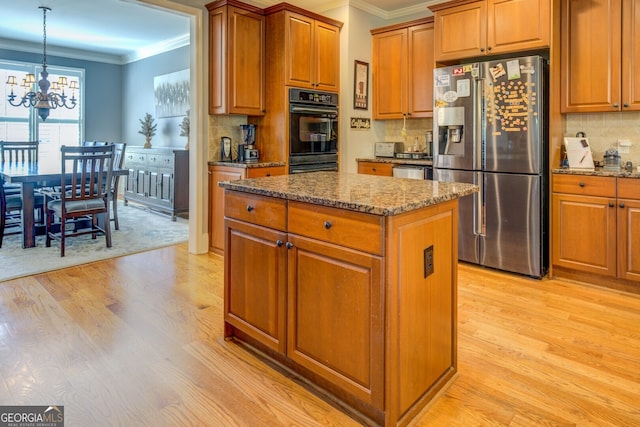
<point x="622" y="205"/>
<point x="279" y="243"/>
<point x="327" y="225"/>
<point x="611" y="204"/>
<point x="289" y="245"/>
<point x="249" y="208"/>
<point x="581" y="184"/>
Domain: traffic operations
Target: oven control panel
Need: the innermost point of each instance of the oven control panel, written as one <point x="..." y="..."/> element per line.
<point x="313" y="97"/>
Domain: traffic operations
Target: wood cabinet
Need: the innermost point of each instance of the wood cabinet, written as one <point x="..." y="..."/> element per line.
<point x="371" y="329"/>
<point x="216" y="197"/>
<point x="158" y="179"/>
<point x="236" y="58"/>
<point x="403" y="65"/>
<point x="594" y="222"/>
<point x="375" y="168"/>
<point x="629" y="228"/>
<point x="305" y="46"/>
<point x="470" y="29"/>
<point x="600" y="51"/>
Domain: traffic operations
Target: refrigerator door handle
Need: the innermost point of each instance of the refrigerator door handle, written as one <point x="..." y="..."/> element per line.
<point x="479" y="228"/>
<point x="477" y="122"/>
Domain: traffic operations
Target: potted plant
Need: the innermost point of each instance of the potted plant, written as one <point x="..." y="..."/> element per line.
<point x="148" y="129"/>
<point x="184" y="128"/>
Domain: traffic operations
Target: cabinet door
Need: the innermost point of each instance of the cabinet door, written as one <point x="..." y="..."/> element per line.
<point x="420" y="69"/>
<point x="216" y="206"/>
<point x="584" y="233"/>
<point x="516" y="25"/>
<point x="269" y="171"/>
<point x="389" y="74"/>
<point x="327" y="57"/>
<point x="256" y="264"/>
<point x="236" y="61"/>
<point x="460" y="31"/>
<point x="166" y="187"/>
<point x="590" y="56"/>
<point x="631" y="55"/>
<point x="335" y="314"/>
<point x="299" y="61"/>
<point x="629" y="239"/>
<point x="245" y="58"/>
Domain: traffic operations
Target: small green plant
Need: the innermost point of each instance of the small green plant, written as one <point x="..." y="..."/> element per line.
<point x="148" y="128"/>
<point x="185" y="125"/>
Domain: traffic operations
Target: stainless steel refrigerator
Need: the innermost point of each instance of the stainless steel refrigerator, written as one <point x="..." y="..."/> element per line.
<point x="490" y="129"/>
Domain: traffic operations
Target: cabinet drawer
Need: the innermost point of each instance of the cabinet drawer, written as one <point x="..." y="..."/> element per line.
<point x="603" y="186"/>
<point x="160" y="160"/>
<point x="135" y="159"/>
<point x="261" y="210"/>
<point x="260" y="172"/>
<point x="629" y="188"/>
<point x="354" y="230"/>
<point x="375" y="168"/>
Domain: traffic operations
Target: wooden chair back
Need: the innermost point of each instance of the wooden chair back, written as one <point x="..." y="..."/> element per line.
<point x="19" y="151"/>
<point x="92" y="170"/>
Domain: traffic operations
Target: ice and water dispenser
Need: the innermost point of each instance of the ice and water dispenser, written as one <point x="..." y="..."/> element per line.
<point x="451" y="131"/>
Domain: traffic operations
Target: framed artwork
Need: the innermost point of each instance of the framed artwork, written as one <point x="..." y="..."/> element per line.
<point x="171" y="94"/>
<point x="361" y="86"/>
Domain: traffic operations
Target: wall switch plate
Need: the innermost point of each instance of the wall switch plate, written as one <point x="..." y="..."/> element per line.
<point x="428" y="261"/>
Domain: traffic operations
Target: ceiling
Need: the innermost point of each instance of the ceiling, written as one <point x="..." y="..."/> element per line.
<point x="120" y="31"/>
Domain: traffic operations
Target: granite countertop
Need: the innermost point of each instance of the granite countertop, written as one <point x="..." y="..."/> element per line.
<point x="245" y="165"/>
<point x="379" y="195"/>
<point x="597" y="172"/>
<point x="395" y="161"/>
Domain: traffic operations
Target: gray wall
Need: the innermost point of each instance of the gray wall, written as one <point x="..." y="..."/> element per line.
<point x="137" y="84"/>
<point x="102" y="89"/>
<point x="117" y="96"/>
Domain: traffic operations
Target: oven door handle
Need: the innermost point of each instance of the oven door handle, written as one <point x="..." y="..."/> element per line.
<point x="306" y="110"/>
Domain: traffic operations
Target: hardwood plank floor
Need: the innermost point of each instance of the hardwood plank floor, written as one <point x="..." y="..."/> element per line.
<point x="137" y="341"/>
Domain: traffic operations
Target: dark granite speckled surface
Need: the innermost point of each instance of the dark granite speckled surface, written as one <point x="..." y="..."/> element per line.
<point x="598" y="172"/>
<point x="245" y="165"/>
<point x="377" y="195"/>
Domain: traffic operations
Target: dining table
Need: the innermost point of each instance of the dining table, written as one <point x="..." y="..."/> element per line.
<point x="31" y="176"/>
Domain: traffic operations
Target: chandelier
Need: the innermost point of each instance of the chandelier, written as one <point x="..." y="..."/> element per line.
<point x="43" y="100"/>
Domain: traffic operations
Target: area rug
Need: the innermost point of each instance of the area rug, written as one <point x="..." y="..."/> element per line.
<point x="140" y="230"/>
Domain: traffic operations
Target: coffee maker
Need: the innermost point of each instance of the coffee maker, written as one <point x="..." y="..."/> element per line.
<point x="248" y="136"/>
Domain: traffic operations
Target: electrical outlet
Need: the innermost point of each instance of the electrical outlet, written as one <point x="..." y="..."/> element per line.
<point x="428" y="261"/>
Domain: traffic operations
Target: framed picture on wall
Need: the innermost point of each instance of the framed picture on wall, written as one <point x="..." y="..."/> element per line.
<point x="361" y="86"/>
<point x="171" y="93"/>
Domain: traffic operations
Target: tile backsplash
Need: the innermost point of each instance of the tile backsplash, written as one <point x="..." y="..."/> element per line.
<point x="224" y="125"/>
<point x="603" y="131"/>
<point x="415" y="128"/>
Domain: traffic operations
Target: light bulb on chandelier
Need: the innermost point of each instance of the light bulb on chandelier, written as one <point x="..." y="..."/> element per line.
<point x="43" y="100"/>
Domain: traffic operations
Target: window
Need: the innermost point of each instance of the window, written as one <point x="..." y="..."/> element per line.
<point x="62" y="127"/>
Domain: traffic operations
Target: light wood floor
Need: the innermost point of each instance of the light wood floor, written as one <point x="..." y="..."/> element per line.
<point x="138" y="341"/>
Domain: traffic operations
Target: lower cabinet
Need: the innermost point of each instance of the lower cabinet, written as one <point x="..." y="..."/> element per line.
<point x="596" y="225"/>
<point x="342" y="297"/>
<point x="158" y="179"/>
<point x="216" y="196"/>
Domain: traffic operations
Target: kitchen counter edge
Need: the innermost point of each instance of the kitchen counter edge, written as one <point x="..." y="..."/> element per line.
<point x="378" y="195"/>
<point x="245" y="165"/>
<point x="597" y="172"/>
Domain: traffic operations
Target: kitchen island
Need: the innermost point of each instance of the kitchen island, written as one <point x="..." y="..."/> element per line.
<point x="349" y="281"/>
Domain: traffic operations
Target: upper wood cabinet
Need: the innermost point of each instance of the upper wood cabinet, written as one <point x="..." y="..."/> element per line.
<point x="468" y="29"/>
<point x="403" y="70"/>
<point x="600" y="50"/>
<point x="236" y="58"/>
<point x="308" y="46"/>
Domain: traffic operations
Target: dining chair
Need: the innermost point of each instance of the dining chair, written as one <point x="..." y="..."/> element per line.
<point x="86" y="195"/>
<point x="10" y="212"/>
<point x="17" y="152"/>
<point x="118" y="163"/>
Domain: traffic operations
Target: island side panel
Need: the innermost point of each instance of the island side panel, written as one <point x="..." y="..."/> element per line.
<point x="421" y="355"/>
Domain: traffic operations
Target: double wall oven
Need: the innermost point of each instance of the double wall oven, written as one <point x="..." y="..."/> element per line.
<point x="313" y="131"/>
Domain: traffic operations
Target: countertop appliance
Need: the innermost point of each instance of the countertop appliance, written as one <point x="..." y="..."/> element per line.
<point x="313" y="130"/>
<point x="388" y="149"/>
<point x="490" y="129"/>
<point x="248" y="133"/>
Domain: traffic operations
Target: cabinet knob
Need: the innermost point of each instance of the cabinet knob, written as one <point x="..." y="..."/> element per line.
<point x="489" y="48"/>
<point x="611" y="204"/>
<point x="249" y="208"/>
<point x="289" y="245"/>
<point x="621" y="205"/>
<point x="268" y="173"/>
<point x="373" y="169"/>
<point x="625" y="105"/>
<point x="327" y="225"/>
<point x="279" y="243"/>
<point x="481" y="49"/>
<point x="581" y="184"/>
<point x="616" y="105"/>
